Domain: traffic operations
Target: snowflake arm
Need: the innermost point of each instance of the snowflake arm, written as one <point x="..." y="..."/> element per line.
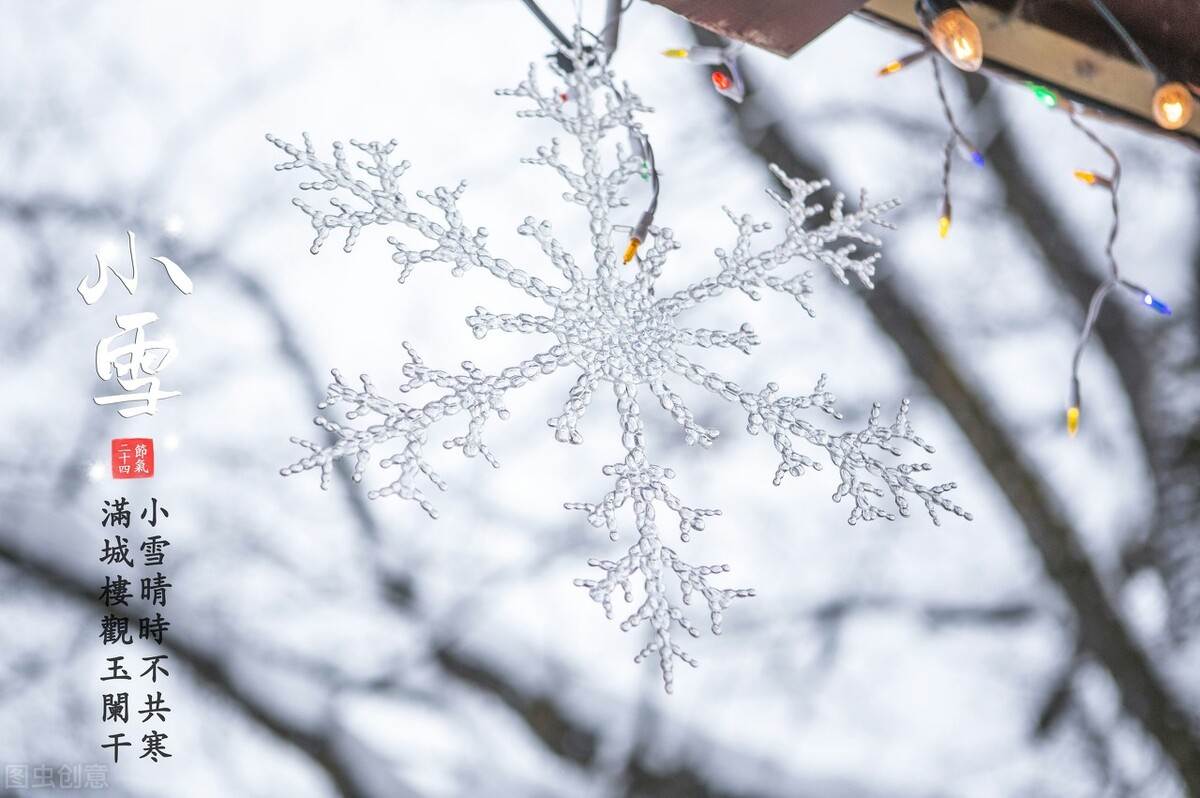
<point x="832" y="244"/>
<point x="478" y="394"/>
<point x="642" y="484"/>
<point x="387" y="205"/>
<point x="566" y="425"/>
<point x="851" y="452"/>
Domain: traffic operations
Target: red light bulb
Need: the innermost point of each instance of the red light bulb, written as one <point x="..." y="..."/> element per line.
<point x="721" y="80"/>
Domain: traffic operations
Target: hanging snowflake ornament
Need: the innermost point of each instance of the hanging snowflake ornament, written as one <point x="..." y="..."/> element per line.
<point x="612" y="331"/>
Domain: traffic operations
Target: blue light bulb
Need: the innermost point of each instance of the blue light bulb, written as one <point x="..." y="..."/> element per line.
<point x="977" y="158"/>
<point x="1156" y="304"/>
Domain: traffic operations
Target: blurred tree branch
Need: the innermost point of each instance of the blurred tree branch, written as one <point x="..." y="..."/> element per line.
<point x="1101" y="629"/>
<point x="558" y="730"/>
<point x="329" y="751"/>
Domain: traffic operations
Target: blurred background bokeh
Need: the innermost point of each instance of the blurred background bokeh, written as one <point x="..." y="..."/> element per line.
<point x="327" y="645"/>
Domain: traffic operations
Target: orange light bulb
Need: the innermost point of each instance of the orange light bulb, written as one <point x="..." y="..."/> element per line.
<point x="721" y="80"/>
<point x="631" y="250"/>
<point x="957" y="37"/>
<point x="1172" y="105"/>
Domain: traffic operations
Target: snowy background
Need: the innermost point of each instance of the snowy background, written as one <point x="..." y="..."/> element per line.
<point x="325" y="645"/>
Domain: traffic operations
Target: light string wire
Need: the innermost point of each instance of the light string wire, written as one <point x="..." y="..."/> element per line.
<point x="957" y="136"/>
<point x="1112" y="184"/>
<point x="1134" y="48"/>
<point x="638" y="139"/>
<point x="1131" y="44"/>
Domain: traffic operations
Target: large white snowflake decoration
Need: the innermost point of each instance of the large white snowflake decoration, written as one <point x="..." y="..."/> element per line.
<point x="612" y="329"/>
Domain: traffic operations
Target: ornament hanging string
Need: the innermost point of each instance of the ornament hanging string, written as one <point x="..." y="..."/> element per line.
<point x="639" y="142"/>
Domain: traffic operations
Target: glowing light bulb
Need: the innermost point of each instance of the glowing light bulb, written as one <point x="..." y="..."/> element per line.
<point x="1150" y="301"/>
<point x="1072" y="420"/>
<point x="721" y="80"/>
<point x="631" y="250"/>
<point x="957" y="37"/>
<point x="977" y="158"/>
<point x="1092" y="179"/>
<point x="675" y="52"/>
<point x="1045" y="96"/>
<point x="890" y="68"/>
<point x="1172" y="105"/>
<point x="944" y="226"/>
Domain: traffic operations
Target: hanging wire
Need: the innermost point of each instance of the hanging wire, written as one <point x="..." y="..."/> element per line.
<point x="949" y="112"/>
<point x="547" y="23"/>
<point x="957" y="137"/>
<point x="1112" y="183"/>
<point x="612" y="24"/>
<point x="1138" y="54"/>
<point x="638" y="139"/>
<point x="947" y="210"/>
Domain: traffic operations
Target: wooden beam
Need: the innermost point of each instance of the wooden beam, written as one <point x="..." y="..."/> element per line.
<point x="1016" y="45"/>
<point x="779" y="26"/>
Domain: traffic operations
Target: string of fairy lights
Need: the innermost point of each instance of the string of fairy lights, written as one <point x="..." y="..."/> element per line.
<point x="954" y="35"/>
<point x="639" y="142"/>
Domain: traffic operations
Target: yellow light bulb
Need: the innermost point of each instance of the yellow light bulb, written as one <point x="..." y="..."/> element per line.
<point x="957" y="37"/>
<point x="1172" y="105"/>
<point x="943" y="226"/>
<point x="890" y="68"/>
<point x="1072" y="421"/>
<point x="676" y="52"/>
<point x="632" y="249"/>
<point x="1085" y="176"/>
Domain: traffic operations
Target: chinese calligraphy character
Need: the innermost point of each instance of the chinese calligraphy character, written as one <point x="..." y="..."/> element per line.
<point x="116" y="512"/>
<point x="114" y="629"/>
<point x="117" y="552"/>
<point x="116" y="670"/>
<point x="127" y="362"/>
<point x="116" y="745"/>
<point x="116" y="591"/>
<point x="154" y="589"/>
<point x="153" y="628"/>
<point x="154" y="707"/>
<point x="153" y="745"/>
<point x="92" y="293"/>
<point x="153" y="547"/>
<point x="154" y="668"/>
<point x="116" y="707"/>
<point x="154" y="511"/>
